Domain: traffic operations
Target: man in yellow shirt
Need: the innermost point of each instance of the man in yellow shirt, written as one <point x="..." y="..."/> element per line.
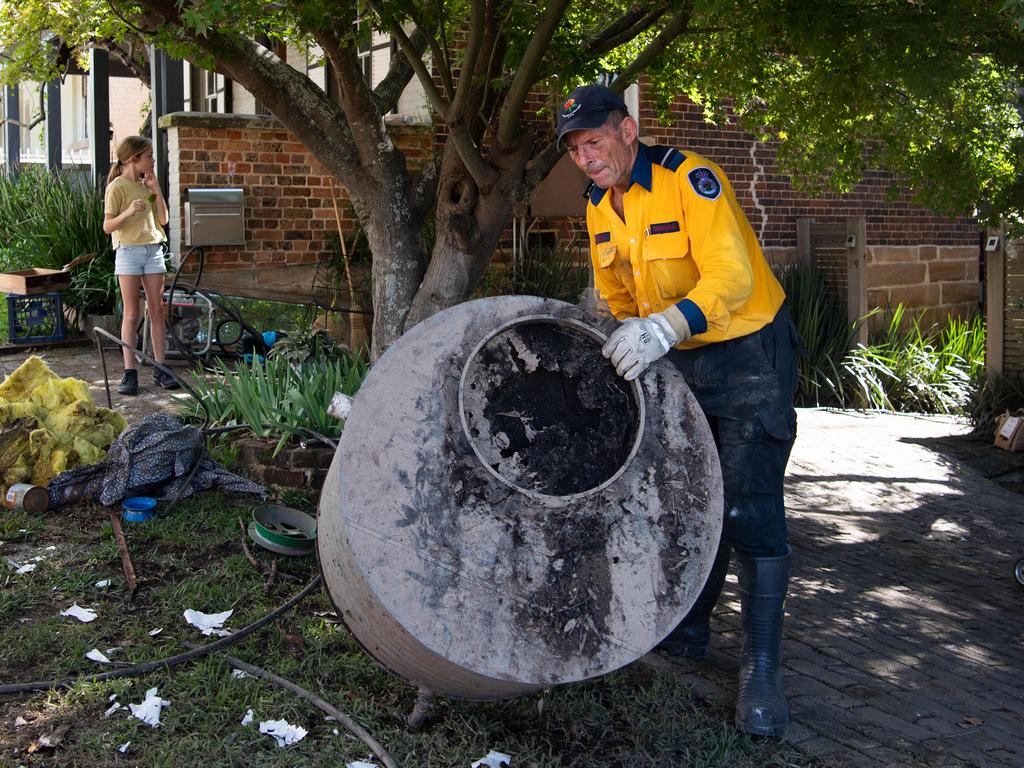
<point x="679" y="264"/>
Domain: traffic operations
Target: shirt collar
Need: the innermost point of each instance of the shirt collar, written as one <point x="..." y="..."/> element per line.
<point x="641" y="175"/>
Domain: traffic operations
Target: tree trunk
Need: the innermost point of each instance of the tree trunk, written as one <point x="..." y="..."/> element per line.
<point x="469" y="224"/>
<point x="398" y="263"/>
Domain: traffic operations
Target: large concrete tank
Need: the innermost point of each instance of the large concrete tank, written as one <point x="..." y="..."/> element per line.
<point x="504" y="513"/>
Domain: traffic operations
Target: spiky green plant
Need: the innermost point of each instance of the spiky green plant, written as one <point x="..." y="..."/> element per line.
<point x="275" y="398"/>
<point x="47" y="219"/>
<point x="819" y="314"/>
<point x="912" y="368"/>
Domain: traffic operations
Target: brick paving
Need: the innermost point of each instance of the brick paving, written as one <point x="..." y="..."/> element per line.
<point x="904" y="643"/>
<point x="83" y="362"/>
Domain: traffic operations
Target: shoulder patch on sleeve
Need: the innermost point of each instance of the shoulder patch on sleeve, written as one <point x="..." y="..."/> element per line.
<point x="667" y="157"/>
<point x="705" y="183"/>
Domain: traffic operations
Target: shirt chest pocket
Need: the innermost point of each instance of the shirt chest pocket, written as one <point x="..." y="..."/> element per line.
<point x="667" y="255"/>
<point x="609" y="258"/>
<point x="606" y="255"/>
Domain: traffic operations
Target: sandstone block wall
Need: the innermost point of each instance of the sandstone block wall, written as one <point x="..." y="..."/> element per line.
<point x="943" y="279"/>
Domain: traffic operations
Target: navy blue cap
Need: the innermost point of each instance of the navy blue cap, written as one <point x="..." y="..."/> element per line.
<point x="587" y="107"/>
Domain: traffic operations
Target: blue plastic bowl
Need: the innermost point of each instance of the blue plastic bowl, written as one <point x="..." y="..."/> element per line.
<point x="138" y="509"/>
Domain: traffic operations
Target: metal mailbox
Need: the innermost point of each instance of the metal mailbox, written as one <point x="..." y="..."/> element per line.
<point x="214" y="217"/>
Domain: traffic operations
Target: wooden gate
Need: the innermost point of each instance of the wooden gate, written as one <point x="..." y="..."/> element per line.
<point x="837" y="250"/>
<point x="1004" y="304"/>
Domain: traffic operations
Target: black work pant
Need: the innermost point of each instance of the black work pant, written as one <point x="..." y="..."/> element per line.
<point x="745" y="387"/>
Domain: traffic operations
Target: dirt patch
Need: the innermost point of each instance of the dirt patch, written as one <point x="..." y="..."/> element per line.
<point x="546" y="410"/>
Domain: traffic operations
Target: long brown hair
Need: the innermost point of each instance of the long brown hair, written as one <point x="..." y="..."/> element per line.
<point x="128" y="148"/>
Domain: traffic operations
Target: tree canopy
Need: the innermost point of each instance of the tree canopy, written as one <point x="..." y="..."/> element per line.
<point x="928" y="89"/>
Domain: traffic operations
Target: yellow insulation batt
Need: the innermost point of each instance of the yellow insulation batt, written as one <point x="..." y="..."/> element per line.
<point x="49" y="424"/>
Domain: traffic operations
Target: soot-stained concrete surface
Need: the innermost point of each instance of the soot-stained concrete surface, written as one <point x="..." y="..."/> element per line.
<point x="476" y="578"/>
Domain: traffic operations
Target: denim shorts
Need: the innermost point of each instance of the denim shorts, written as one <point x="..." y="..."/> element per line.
<point x="139" y="259"/>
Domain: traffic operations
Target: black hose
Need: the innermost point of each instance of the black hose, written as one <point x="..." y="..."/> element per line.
<point x="171" y="661"/>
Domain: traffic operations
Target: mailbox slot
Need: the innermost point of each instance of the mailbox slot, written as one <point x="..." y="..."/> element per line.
<point x="214" y="217"/>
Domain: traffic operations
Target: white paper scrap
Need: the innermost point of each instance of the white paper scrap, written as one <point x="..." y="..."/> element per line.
<point x="148" y="710"/>
<point x="112" y="709"/>
<point x="208" y="623"/>
<point x="102" y="583"/>
<point x="155" y="632"/>
<point x="248" y="718"/>
<point x="51" y="548"/>
<point x="27" y="568"/>
<point x="493" y="760"/>
<point x="284" y="733"/>
<point x="76" y="611"/>
<point x="124" y="747"/>
<point x="97" y="655"/>
<point x="359" y="764"/>
<point x="239" y="673"/>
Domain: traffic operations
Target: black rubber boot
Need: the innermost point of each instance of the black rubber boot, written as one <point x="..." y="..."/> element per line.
<point x="761" y="706"/>
<point x="690" y="637"/>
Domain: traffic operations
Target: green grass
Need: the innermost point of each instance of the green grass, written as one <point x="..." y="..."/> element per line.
<point x="194" y="559"/>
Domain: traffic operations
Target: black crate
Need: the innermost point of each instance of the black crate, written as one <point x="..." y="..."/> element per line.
<point x="35" y="319"/>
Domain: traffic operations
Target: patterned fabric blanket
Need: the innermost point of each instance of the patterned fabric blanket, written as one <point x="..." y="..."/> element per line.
<point x="153" y="458"/>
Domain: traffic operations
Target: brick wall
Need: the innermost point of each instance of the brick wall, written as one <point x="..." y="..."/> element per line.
<point x="289" y="211"/>
<point x="773" y="206"/>
<point x="926" y="261"/>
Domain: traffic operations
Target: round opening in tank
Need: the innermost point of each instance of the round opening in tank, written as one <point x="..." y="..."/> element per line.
<point x="545" y="412"/>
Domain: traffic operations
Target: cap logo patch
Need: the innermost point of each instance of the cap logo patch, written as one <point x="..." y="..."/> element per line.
<point x="570" y="108"/>
<point x="705" y="183"/>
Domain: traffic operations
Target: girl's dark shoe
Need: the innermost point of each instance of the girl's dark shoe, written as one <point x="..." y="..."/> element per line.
<point x="129" y="382"/>
<point x="165" y="380"/>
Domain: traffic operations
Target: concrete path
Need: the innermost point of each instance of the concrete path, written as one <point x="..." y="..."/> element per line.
<point x="904" y="639"/>
<point x="904" y="632"/>
<point x="82" y="362"/>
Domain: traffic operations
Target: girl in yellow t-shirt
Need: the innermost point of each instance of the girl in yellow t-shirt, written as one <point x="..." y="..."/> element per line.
<point x="134" y="215"/>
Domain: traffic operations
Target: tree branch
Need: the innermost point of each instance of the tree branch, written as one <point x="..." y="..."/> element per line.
<point x="542" y="164"/>
<point x="415" y="59"/>
<point x="357" y="100"/>
<point x="526" y="74"/>
<point x="675" y="27"/>
<point x="624" y="29"/>
<point x="400" y="72"/>
<point x="472" y="52"/>
<point x="442" y="61"/>
<point x="483" y="173"/>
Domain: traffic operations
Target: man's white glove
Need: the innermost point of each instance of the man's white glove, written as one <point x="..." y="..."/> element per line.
<point x="639" y="341"/>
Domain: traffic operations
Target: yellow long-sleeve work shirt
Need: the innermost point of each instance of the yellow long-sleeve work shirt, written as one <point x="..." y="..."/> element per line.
<point x="685" y="241"/>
